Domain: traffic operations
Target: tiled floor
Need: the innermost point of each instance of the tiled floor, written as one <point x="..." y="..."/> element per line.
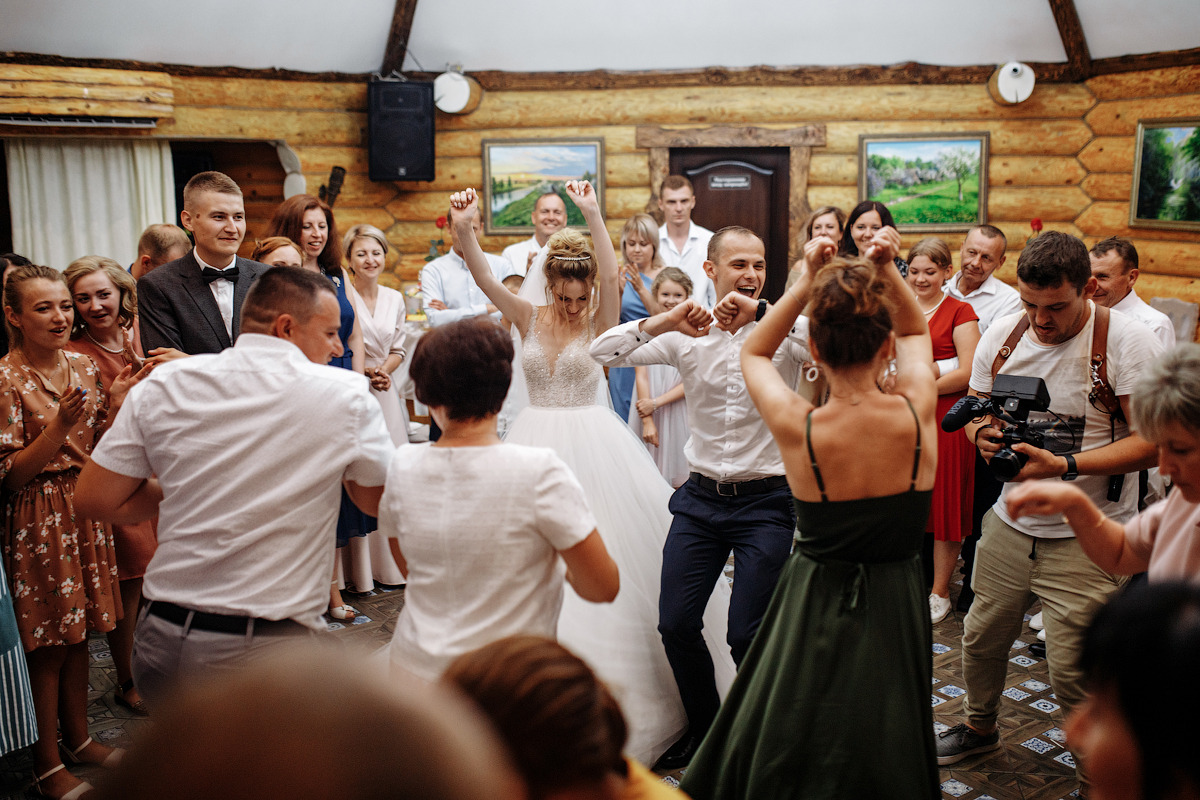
<point x="1033" y="764"/>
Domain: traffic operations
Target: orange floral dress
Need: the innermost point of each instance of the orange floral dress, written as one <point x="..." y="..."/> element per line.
<point x="63" y="570"/>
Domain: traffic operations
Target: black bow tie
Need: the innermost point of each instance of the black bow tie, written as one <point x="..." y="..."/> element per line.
<point x="211" y="274"/>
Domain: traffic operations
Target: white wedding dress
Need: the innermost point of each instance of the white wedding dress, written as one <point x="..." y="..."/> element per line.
<point x="629" y="499"/>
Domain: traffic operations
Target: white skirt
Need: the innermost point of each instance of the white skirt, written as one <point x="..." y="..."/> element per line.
<point x="620" y="640"/>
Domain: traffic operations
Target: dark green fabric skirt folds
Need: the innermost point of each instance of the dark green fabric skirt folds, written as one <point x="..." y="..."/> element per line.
<point x="833" y="698"/>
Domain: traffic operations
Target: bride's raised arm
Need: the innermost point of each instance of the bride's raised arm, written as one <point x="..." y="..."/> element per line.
<point x="608" y="311"/>
<point x="515" y="309"/>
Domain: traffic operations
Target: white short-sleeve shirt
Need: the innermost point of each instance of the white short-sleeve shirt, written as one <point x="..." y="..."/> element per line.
<point x="480" y="528"/>
<point x="1075" y="424"/>
<point x="251" y="446"/>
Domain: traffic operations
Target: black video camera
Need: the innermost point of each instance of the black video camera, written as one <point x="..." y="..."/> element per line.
<point x="1013" y="397"/>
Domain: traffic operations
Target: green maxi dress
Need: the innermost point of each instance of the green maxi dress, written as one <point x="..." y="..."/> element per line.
<point x="832" y="699"/>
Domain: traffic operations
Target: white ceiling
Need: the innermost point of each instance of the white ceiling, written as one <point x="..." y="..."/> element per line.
<point x="569" y="35"/>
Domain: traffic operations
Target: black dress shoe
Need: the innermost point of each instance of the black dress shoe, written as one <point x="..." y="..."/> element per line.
<point x="1038" y="649"/>
<point x="679" y="755"/>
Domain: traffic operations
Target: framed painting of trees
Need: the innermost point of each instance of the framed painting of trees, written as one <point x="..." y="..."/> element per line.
<point x="516" y="172"/>
<point x="930" y="182"/>
<point x="1166" y="175"/>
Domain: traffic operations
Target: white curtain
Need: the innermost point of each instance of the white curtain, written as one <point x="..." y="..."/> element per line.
<point x="73" y="198"/>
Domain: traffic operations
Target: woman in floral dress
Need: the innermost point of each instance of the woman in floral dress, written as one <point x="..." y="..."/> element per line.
<point x="62" y="569"/>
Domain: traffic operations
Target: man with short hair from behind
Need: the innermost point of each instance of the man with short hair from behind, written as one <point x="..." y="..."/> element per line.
<point x="194" y="303"/>
<point x="243" y="455"/>
<point x="681" y="242"/>
<point x="159" y="244"/>
<point x="1115" y="268"/>
<point x="549" y="216"/>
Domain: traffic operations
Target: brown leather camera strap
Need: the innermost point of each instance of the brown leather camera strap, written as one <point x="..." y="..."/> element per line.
<point x="1099" y="359"/>
<point x="1099" y="364"/>
<point x="1009" y="345"/>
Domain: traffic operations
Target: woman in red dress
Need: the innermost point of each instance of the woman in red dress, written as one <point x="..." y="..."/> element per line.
<point x="954" y="329"/>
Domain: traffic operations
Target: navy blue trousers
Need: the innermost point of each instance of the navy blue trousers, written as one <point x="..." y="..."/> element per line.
<point x="758" y="529"/>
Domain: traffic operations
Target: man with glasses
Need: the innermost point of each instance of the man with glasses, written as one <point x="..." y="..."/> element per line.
<point x="1055" y="338"/>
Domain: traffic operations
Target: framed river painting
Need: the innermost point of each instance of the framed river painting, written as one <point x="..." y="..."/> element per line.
<point x="516" y="172"/>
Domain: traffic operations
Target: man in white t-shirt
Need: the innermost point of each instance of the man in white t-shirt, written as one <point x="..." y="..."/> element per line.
<point x="1115" y="268"/>
<point x="982" y="254"/>
<point x="1017" y="558"/>
<point x="242" y="455"/>
<point x="681" y="242"/>
<point x="549" y="216"/>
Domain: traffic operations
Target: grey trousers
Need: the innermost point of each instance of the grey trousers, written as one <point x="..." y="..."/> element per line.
<point x="166" y="654"/>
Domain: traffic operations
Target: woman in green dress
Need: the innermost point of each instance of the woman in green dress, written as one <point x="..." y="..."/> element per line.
<point x="832" y="700"/>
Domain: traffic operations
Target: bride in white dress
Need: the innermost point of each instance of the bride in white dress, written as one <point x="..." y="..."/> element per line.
<point x="623" y="486"/>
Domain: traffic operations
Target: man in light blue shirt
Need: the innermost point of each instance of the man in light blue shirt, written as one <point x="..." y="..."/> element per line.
<point x="448" y="281"/>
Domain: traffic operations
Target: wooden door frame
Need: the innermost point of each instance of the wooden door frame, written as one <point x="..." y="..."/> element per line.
<point x="799" y="141"/>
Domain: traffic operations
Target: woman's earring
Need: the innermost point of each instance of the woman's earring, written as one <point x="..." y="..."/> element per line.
<point x="812" y="372"/>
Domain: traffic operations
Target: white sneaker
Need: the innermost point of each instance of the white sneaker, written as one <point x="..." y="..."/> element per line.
<point x="939" y="607"/>
<point x="1036" y="623"/>
<point x="1042" y="635"/>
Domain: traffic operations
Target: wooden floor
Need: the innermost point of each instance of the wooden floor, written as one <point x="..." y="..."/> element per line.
<point x="1033" y="764"/>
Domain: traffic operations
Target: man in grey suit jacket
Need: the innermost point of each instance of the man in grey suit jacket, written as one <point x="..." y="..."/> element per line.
<point x="193" y="303"/>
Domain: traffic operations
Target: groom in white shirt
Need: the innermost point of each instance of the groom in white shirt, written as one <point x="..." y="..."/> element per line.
<point x="737" y="497"/>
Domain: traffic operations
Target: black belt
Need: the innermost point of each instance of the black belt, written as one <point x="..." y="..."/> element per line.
<point x="222" y="623"/>
<point x="736" y="488"/>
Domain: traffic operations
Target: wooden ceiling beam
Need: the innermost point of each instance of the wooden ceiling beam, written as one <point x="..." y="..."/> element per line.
<point x="397" y="43"/>
<point x="1070" y="30"/>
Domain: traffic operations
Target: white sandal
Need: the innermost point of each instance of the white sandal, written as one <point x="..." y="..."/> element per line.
<point x="110" y="761"/>
<point x="75" y="794"/>
<point x="343" y="612"/>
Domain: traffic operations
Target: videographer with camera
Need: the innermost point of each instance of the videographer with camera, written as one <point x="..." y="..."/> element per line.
<point x="1088" y="360"/>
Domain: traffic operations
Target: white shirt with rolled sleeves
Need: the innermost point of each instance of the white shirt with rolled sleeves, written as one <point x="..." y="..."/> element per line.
<point x="518" y="254"/>
<point x="993" y="299"/>
<point x="448" y="279"/>
<point x="730" y="441"/>
<point x="251" y="446"/>
<point x="1158" y="322"/>
<point x="1065" y="369"/>
<point x="691" y="260"/>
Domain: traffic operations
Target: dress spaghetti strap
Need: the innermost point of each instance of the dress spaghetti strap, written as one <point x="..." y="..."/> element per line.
<point x="812" y="458"/>
<point x="917" y="452"/>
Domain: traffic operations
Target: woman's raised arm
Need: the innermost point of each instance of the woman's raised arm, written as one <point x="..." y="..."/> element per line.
<point x="515" y="309"/>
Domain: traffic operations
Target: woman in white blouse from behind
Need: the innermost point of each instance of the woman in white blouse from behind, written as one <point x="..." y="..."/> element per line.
<point x="477" y="525"/>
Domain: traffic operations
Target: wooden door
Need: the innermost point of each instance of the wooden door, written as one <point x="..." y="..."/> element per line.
<point x="747" y="187"/>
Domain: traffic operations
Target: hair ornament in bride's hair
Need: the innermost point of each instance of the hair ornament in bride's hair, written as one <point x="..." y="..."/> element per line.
<point x="573" y="258"/>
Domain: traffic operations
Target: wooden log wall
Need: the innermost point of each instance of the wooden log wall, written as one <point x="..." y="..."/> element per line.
<point x="1065" y="155"/>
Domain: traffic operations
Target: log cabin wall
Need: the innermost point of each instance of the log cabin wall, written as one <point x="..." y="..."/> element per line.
<point x="1065" y="155"/>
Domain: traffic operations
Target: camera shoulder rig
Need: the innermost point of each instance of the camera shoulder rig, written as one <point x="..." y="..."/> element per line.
<point x="1101" y="391"/>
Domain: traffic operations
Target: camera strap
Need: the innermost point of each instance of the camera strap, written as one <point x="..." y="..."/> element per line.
<point x="1097" y="365"/>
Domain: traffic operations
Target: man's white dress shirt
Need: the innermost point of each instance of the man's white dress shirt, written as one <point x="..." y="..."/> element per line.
<point x="448" y="279"/>
<point x="518" y="254"/>
<point x="222" y="292"/>
<point x="730" y="441"/>
<point x="251" y="446"/>
<point x="993" y="299"/>
<point x="691" y="260"/>
<point x="1158" y="322"/>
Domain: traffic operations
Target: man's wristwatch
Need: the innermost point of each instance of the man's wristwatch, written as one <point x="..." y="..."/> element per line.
<point x="762" y="310"/>
<point x="1072" y="471"/>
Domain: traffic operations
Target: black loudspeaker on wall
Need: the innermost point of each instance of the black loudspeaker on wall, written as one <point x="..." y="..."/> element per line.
<point x="400" y="130"/>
